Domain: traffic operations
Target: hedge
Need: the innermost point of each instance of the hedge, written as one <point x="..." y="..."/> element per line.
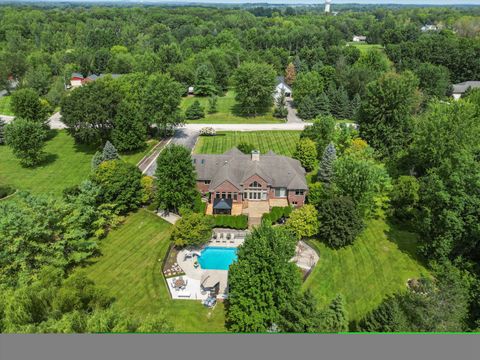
<point x="277" y="213"/>
<point x="237" y="222"/>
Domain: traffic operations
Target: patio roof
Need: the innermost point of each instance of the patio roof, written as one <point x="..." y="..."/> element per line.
<point x="222" y="204"/>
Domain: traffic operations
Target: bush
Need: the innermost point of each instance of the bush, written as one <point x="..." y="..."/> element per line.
<point x="277" y="213"/>
<point x="207" y="131"/>
<point x="246" y="148"/>
<point x="6" y="190"/>
<point x="192" y="229"/>
<point x="237" y="222"/>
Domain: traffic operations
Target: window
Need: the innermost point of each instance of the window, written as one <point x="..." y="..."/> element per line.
<point x="229" y="195"/>
<point x="255" y="185"/>
<point x="203" y="161"/>
<point x="280" y="192"/>
<point x="235" y="196"/>
<point x="207" y="182"/>
<point x="217" y="195"/>
<point x="223" y="195"/>
<point x="299" y="192"/>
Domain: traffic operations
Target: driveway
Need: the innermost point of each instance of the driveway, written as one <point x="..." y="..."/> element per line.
<point x="292" y="116"/>
<point x="54" y="120"/>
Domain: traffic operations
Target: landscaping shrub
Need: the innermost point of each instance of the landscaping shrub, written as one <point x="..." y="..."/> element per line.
<point x="237" y="222"/>
<point x="277" y="213"/>
<point x="6" y="190"/>
<point x="207" y="131"/>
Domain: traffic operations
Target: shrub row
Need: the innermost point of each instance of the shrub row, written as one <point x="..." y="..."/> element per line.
<point x="277" y="213"/>
<point x="237" y="222"/>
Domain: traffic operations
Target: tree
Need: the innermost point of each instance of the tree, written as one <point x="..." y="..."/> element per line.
<point x="204" y="81"/>
<point x="365" y="181"/>
<point x="322" y="131"/>
<point x="109" y="152"/>
<point x="195" y="111"/>
<point x="193" y="229"/>
<point x="326" y="171"/>
<point x="254" y="84"/>
<point x="89" y="111"/>
<point x="434" y="80"/>
<point x="120" y="184"/>
<point x="385" y="114"/>
<point x="303" y="222"/>
<point x="176" y="181"/>
<point x="290" y="74"/>
<point x="246" y="148"/>
<point x="212" y="104"/>
<point x="335" y="317"/>
<point x="26" y="104"/>
<point x="340" y="222"/>
<point x="405" y="197"/>
<point x="262" y="281"/>
<point x="339" y="104"/>
<point x="322" y="105"/>
<point x="129" y="132"/>
<point x="308" y="91"/>
<point x="308" y="110"/>
<point x="96" y="160"/>
<point x="306" y="153"/>
<point x="280" y="110"/>
<point x="39" y="78"/>
<point x="2" y="132"/>
<point x="27" y="139"/>
<point x="161" y="101"/>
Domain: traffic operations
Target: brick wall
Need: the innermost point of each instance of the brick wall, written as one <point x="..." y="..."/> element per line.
<point x="299" y="199"/>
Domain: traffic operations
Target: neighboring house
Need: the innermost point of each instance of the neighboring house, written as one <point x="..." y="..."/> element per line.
<point x="280" y="86"/>
<point x="191" y="90"/>
<point x="461" y="88"/>
<point x="238" y="181"/>
<point x="359" y="38"/>
<point x="429" y="27"/>
<point x="78" y="79"/>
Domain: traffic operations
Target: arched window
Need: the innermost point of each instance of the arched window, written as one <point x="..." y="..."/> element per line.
<point x="255" y="185"/>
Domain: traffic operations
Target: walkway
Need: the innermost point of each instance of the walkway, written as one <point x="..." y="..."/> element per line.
<point x="151" y="157"/>
<point x="54" y="121"/>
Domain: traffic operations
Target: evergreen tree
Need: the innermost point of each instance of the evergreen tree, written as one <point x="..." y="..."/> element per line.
<point x="109" y="152"/>
<point x="354" y="106"/>
<point x="325" y="173"/>
<point x="323" y="104"/>
<point x="204" y="81"/>
<point x="308" y="110"/>
<point x="2" y="132"/>
<point x="194" y="111"/>
<point x="339" y="102"/>
<point x="280" y="110"/>
<point x="96" y="160"/>
<point x="212" y="104"/>
<point x="335" y="318"/>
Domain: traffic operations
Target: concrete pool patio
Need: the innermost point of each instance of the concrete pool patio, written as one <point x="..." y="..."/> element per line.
<point x="199" y="282"/>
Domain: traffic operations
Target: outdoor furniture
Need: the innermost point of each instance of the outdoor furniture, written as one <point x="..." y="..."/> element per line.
<point x="179" y="283"/>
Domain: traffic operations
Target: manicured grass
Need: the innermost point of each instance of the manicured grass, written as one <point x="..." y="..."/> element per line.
<point x="5" y="108"/>
<point x="364" y="47"/>
<point x="130" y="267"/>
<point x="378" y="264"/>
<point x="281" y="142"/>
<point x="67" y="164"/>
<point x="225" y="115"/>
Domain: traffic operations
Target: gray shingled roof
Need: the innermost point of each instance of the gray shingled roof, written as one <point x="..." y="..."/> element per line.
<point x="236" y="167"/>
<point x="464" y="86"/>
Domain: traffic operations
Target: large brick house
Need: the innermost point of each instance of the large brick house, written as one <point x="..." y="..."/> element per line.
<point x="236" y="181"/>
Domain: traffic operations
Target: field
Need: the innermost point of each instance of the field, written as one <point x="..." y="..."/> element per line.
<point x="130" y="267"/>
<point x="5" y="106"/>
<point x="66" y="164"/>
<point x="378" y="264"/>
<point x="225" y="107"/>
<point x="281" y="142"/>
<point x="364" y="47"/>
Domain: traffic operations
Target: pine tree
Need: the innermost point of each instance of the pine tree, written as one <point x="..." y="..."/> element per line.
<point x="307" y="109"/>
<point x="204" y="81"/>
<point x="335" y="318"/>
<point x="339" y="102"/>
<point x="280" y="110"/>
<point x="323" y="104"/>
<point x="194" y="111"/>
<point x="2" y="132"/>
<point x="96" y="160"/>
<point x="325" y="174"/>
<point x="290" y="74"/>
<point x="109" y="152"/>
<point x="354" y="106"/>
<point x="212" y="104"/>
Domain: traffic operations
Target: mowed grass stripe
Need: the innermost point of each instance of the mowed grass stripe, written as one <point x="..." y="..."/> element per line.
<point x="378" y="264"/>
<point x="281" y="142"/>
<point x="130" y="268"/>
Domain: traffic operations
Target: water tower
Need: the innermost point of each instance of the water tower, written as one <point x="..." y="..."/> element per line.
<point x="328" y="3"/>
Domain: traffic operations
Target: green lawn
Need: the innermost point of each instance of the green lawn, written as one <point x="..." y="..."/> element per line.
<point x="67" y="164"/>
<point x="364" y="47"/>
<point x="130" y="267"/>
<point x="5" y="108"/>
<point x="225" y="106"/>
<point x="281" y="142"/>
<point x="378" y="264"/>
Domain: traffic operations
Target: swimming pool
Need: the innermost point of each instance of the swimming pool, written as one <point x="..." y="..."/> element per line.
<point x="217" y="258"/>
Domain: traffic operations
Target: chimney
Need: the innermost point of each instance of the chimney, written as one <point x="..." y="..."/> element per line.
<point x="255" y="155"/>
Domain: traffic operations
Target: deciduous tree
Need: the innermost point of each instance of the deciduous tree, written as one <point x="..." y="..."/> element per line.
<point x="27" y="139"/>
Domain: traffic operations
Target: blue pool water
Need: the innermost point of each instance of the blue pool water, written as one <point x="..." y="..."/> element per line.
<point x="217" y="258"/>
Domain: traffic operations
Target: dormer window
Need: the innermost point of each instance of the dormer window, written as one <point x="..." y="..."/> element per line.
<point x="255" y="185"/>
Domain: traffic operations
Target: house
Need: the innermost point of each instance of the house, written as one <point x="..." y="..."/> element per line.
<point x="280" y="86"/>
<point x="190" y="90"/>
<point x="429" y="27"/>
<point x="461" y="88"/>
<point x="236" y="181"/>
<point x="359" y="38"/>
<point x="76" y="80"/>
